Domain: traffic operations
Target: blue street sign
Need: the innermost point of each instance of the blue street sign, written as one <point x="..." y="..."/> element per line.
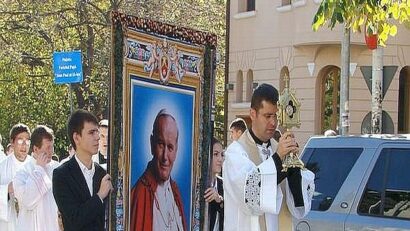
<point x="67" y="67"/>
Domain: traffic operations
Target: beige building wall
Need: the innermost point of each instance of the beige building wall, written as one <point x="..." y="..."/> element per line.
<point x="272" y="37"/>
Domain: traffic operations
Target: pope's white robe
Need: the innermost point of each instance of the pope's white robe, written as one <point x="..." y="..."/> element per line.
<point x="33" y="190"/>
<point x="8" y="214"/>
<point x="252" y="197"/>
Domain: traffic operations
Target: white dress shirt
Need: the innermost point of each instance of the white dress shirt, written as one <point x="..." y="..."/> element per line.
<point x="87" y="173"/>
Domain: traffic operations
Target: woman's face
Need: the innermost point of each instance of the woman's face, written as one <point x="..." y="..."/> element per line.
<point x="217" y="159"/>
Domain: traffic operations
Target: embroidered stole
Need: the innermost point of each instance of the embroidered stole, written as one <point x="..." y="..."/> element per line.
<point x="252" y="150"/>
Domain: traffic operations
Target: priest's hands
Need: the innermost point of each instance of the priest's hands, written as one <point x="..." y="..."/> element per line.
<point x="287" y="144"/>
<point x="105" y="187"/>
<point x="211" y="194"/>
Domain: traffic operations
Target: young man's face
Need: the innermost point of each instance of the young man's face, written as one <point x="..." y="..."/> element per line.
<point x="87" y="142"/>
<point x="47" y="147"/>
<point x="235" y="133"/>
<point x="264" y="121"/>
<point x="164" y="147"/>
<point x="103" y="140"/>
<point x="21" y="146"/>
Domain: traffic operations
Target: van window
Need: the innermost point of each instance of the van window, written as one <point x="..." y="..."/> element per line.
<point x="331" y="166"/>
<point x="387" y="192"/>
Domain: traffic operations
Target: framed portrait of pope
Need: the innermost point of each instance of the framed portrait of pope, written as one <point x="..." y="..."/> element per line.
<point x="160" y="108"/>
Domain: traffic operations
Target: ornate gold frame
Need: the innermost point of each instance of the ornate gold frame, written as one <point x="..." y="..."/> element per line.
<point x="127" y="31"/>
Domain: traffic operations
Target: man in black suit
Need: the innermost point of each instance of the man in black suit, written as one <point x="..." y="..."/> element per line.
<point x="79" y="185"/>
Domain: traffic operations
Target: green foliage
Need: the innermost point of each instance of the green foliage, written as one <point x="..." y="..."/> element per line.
<point x="30" y="31"/>
<point x="375" y="15"/>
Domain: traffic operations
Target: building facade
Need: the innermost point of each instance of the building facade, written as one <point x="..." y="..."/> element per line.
<point x="269" y="39"/>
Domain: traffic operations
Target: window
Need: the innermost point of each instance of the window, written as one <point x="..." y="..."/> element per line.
<point x="331" y="166"/>
<point x="250" y="5"/>
<point x="239" y="87"/>
<point x="286" y="2"/>
<point x="249" y="85"/>
<point x="403" y="101"/>
<point x="387" y="192"/>
<point x="330" y="99"/>
<point x="246" y="5"/>
<point x="283" y="72"/>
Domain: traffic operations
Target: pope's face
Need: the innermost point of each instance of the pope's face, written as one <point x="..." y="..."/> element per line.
<point x="164" y="146"/>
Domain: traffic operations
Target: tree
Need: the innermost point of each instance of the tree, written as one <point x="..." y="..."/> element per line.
<point x="376" y="15"/>
<point x="30" y="31"/>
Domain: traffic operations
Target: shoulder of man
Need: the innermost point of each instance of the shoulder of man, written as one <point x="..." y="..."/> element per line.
<point x="66" y="165"/>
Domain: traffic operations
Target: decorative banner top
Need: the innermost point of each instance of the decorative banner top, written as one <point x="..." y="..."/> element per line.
<point x="163" y="58"/>
<point x="180" y="33"/>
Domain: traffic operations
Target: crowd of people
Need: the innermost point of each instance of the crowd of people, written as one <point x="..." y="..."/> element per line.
<point x="39" y="193"/>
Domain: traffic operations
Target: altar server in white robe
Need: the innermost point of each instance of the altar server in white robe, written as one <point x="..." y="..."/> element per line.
<point x="253" y="177"/>
<point x="33" y="188"/>
<point x="20" y="142"/>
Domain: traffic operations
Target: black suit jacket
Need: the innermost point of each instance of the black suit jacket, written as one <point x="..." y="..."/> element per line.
<point x="79" y="210"/>
<point x="217" y="207"/>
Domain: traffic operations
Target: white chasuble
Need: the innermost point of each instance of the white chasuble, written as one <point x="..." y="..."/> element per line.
<point x="8" y="213"/>
<point x="33" y="190"/>
<point x="252" y="197"/>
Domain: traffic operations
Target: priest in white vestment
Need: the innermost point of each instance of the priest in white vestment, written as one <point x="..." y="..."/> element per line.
<point x="33" y="185"/>
<point x="253" y="176"/>
<point x="20" y="141"/>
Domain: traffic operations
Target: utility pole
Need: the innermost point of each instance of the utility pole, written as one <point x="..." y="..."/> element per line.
<point x="377" y="86"/>
<point x="344" y="83"/>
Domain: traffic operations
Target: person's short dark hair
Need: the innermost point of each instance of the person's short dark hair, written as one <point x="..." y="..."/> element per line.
<point x="264" y="92"/>
<point x="17" y="129"/>
<point x="238" y="124"/>
<point x="76" y="123"/>
<point x="39" y="133"/>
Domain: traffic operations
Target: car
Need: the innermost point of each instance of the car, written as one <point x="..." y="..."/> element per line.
<point x="361" y="183"/>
